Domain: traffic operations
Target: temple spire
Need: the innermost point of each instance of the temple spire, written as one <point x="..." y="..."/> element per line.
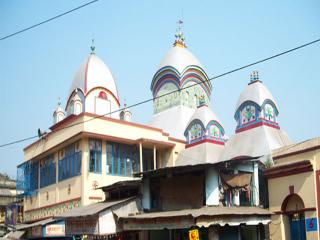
<point x="180" y="39"/>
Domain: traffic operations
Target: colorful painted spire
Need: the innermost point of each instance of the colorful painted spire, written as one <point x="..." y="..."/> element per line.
<point x="179" y="35"/>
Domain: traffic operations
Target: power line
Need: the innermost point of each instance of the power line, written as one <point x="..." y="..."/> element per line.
<point x="48" y="20"/>
<point x="154" y="98"/>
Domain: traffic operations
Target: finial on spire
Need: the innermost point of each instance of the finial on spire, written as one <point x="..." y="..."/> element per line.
<point x="59" y="101"/>
<point x="254" y="76"/>
<point x="179" y="35"/>
<point x="92" y="47"/>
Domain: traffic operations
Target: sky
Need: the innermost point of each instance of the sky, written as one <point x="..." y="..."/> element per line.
<point x="38" y="66"/>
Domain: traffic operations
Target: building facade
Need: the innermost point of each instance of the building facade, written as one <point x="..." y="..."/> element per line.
<point x="294" y="194"/>
<point x="91" y="144"/>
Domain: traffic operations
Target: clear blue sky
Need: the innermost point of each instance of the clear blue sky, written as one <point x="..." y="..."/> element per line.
<point x="37" y="67"/>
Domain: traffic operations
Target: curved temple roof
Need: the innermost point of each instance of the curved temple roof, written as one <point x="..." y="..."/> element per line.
<point x="180" y="58"/>
<point x="94" y="73"/>
<point x="256" y="92"/>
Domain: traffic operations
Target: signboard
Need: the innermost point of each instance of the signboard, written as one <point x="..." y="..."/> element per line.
<point x="56" y="229"/>
<point x="311" y="224"/>
<point x="35" y="215"/>
<point x="12" y="213"/>
<point x="194" y="234"/>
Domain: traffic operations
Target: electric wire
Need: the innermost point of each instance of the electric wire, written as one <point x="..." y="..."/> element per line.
<point x="179" y="90"/>
<point x="48" y="20"/>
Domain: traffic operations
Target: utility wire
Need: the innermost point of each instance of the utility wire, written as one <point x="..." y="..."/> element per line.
<point x="154" y="98"/>
<point x="48" y="20"/>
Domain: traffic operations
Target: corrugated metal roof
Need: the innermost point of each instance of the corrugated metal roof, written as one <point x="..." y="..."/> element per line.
<point x="120" y="184"/>
<point x="188" y="167"/>
<point x="39" y="223"/>
<point x="92" y="209"/>
<point x="204" y="211"/>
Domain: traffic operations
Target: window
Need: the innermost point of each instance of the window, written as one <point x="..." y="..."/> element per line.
<point x="122" y="159"/>
<point x="70" y="164"/>
<point x="95" y="147"/>
<point x="47" y="171"/>
<point x="27" y="177"/>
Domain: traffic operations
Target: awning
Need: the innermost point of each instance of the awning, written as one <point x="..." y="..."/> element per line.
<point x="93" y="209"/>
<point x="204" y="216"/>
<point x="39" y="223"/>
<point x="122" y="184"/>
<point x="241" y="180"/>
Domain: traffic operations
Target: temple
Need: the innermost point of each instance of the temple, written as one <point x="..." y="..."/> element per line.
<point x="177" y="175"/>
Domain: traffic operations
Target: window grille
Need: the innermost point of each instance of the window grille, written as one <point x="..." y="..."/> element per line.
<point x="122" y="159"/>
<point x="70" y="164"/>
<point x="47" y="171"/>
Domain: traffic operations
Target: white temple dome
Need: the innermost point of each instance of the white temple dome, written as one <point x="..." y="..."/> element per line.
<point x="180" y="58"/>
<point x="256" y="92"/>
<point x="94" y="73"/>
<point x="93" y="89"/>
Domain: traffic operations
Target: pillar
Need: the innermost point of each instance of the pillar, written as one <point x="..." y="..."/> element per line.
<point x="212" y="187"/>
<point x="255" y="184"/>
<point x="57" y="175"/>
<point x="146" y="201"/>
<point x="141" y="160"/>
<point x="84" y="170"/>
<point x="236" y="196"/>
<point x="39" y="182"/>
<point x="154" y="157"/>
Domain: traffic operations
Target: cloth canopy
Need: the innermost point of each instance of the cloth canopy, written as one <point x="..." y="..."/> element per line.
<point x="241" y="180"/>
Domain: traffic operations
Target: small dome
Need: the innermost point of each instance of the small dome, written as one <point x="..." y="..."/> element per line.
<point x="59" y="109"/>
<point x="205" y="138"/>
<point x="256" y="92"/>
<point x="204" y="124"/>
<point x="94" y="73"/>
<point x="180" y="58"/>
<point x="205" y="115"/>
<point x="58" y="114"/>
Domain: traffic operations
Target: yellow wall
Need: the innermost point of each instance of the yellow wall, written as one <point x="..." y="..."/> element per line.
<point x="81" y="187"/>
<point x="304" y="185"/>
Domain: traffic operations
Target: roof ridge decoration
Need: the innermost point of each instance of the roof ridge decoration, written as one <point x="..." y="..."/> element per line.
<point x="180" y="38"/>
<point x="254" y="77"/>
<point x="93" y="48"/>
